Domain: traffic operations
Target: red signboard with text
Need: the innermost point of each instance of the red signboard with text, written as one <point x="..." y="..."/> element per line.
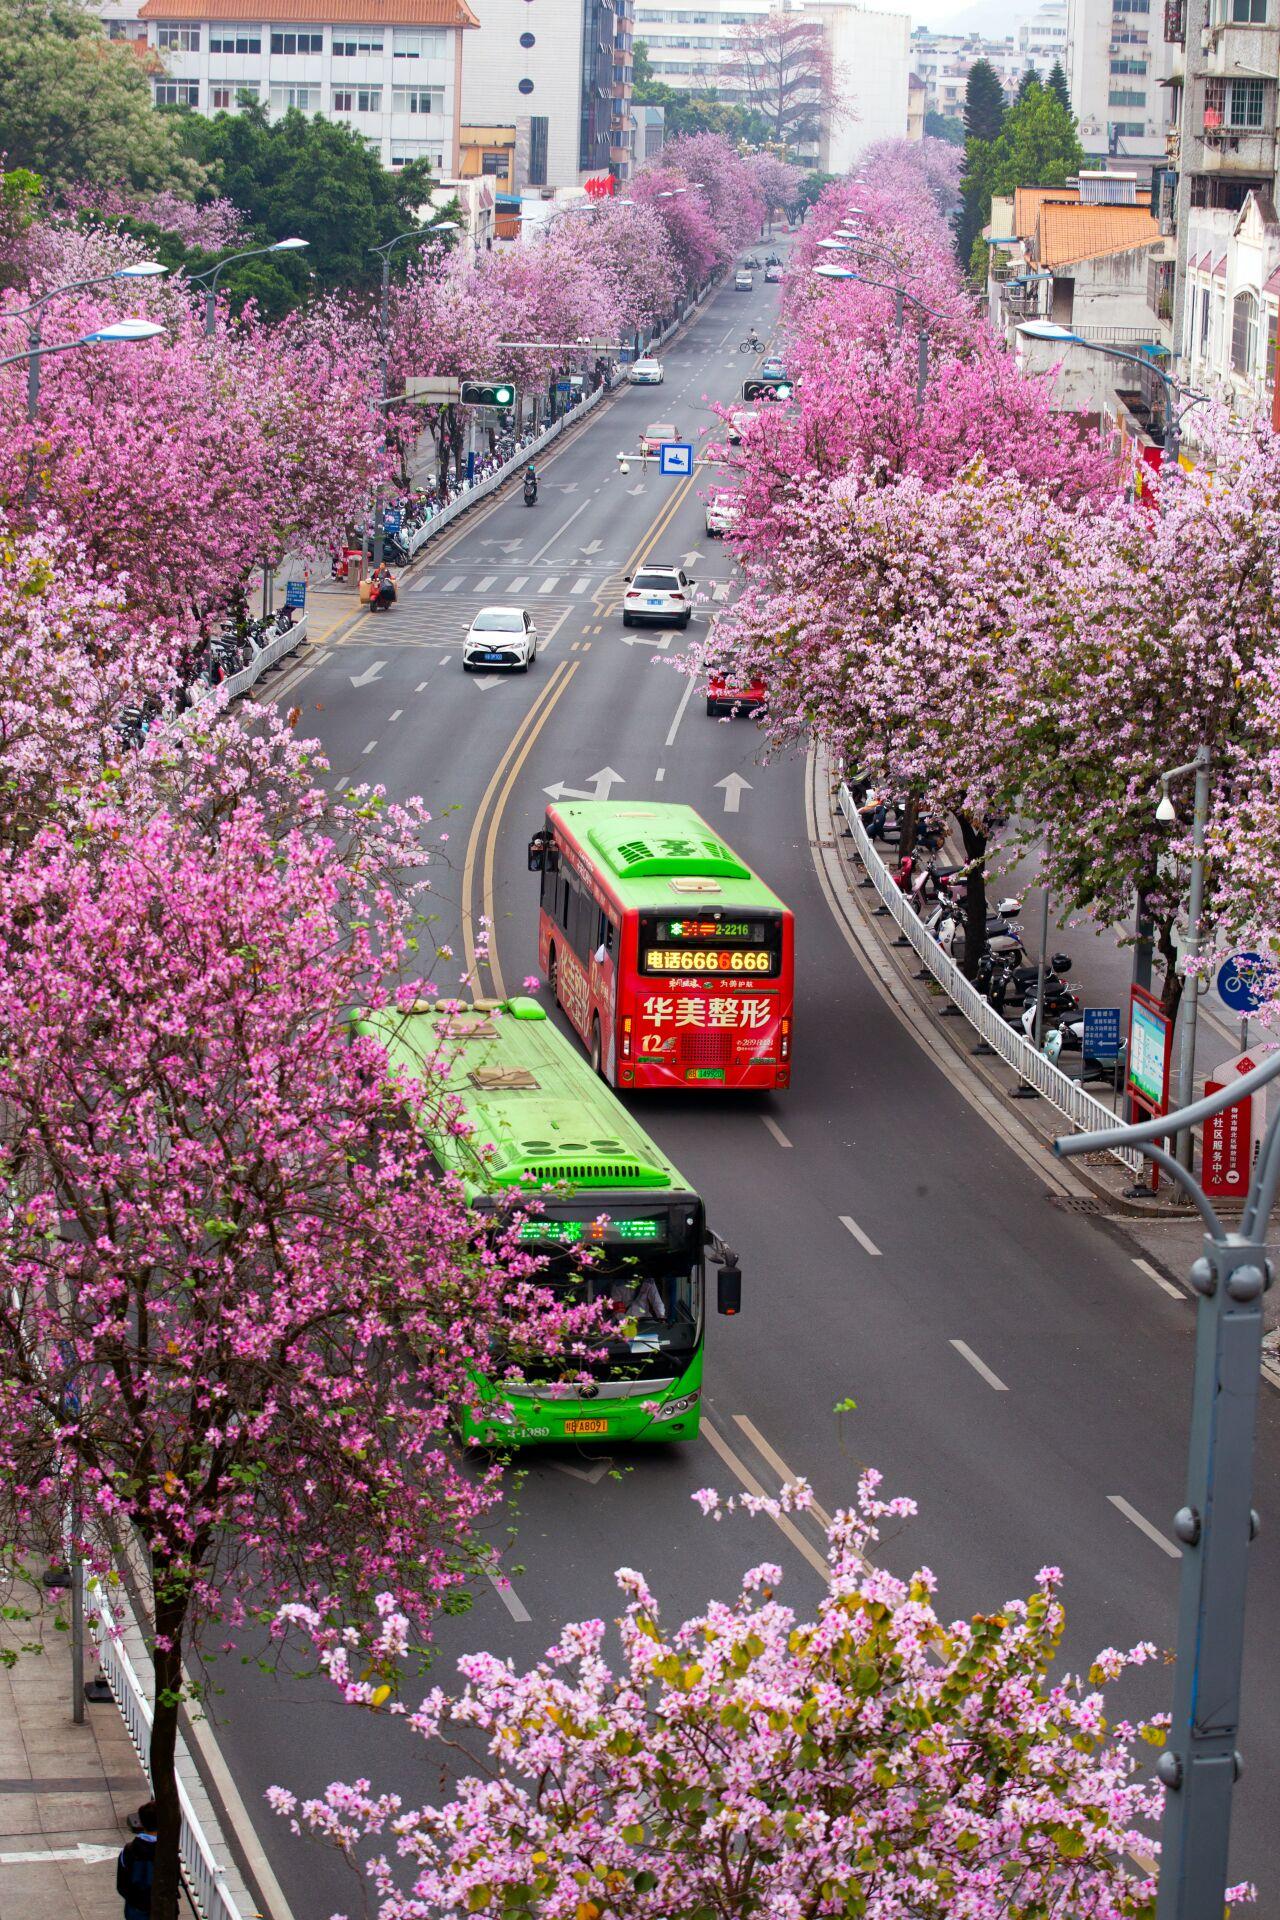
<point x="1227" y="1153"/>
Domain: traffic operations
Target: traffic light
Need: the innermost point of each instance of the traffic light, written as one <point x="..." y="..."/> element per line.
<point x="488" y="393"/>
<point x="766" y="389"/>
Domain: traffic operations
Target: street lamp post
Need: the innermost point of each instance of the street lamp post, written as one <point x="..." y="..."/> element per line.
<point x="118" y="333"/>
<point x="1166" y="814"/>
<point x="214" y="274"/>
<point x="1170" y="439"/>
<point x="384" y="318"/>
<point x="34" y="315"/>
<point x="1200" y="1762"/>
<point x="900" y="298"/>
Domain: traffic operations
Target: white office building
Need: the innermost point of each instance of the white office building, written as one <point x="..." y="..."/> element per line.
<point x="1043" y="38"/>
<point x="1120" y="63"/>
<point x="390" y="69"/>
<point x="565" y="66"/>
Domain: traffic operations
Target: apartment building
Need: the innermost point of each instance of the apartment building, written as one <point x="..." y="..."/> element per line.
<point x="391" y="71"/>
<point x="564" y="66"/>
<point x="1118" y="75"/>
<point x="943" y="60"/>
<point x="1042" y="39"/>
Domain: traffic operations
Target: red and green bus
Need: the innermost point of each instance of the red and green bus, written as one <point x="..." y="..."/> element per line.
<point x="672" y="959"/>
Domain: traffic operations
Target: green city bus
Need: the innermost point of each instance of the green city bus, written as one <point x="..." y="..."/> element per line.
<point x="546" y="1134"/>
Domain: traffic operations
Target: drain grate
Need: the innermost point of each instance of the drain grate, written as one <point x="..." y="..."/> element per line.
<point x="1069" y="1203"/>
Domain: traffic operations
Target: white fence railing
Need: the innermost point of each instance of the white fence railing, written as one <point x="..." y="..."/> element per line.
<point x="275" y="650"/>
<point x="206" y="1880"/>
<point x="1084" y="1112"/>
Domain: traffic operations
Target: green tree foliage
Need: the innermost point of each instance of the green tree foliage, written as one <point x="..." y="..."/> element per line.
<point x="944" y="126"/>
<point x="312" y="178"/>
<point x="1057" y="84"/>
<point x="1037" y="146"/>
<point x="76" y="106"/>
<point x="812" y="188"/>
<point x="1029" y="79"/>
<point x="984" y="103"/>
<point x="694" y="110"/>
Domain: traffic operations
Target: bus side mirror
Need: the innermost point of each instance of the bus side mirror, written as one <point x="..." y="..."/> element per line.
<point x="729" y="1290"/>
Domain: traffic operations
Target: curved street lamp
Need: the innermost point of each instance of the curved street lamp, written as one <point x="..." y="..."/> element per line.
<point x="384" y="252"/>
<point x="1170" y="438"/>
<point x="901" y="295"/>
<point x="117" y="333"/>
<point x="136" y="270"/>
<point x="213" y="274"/>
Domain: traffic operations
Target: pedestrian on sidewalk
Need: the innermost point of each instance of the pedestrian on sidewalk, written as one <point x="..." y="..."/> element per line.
<point x="135" y="1869"/>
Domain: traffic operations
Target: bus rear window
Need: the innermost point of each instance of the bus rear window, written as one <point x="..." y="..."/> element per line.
<point x="712" y="945"/>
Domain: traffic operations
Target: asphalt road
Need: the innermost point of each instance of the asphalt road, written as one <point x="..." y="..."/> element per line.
<point x="1013" y="1369"/>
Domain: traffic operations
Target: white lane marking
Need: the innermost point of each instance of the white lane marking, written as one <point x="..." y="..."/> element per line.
<point x="369" y="749"/>
<point x="685" y="698"/>
<point x="85" y="1853"/>
<point x="446" y="659"/>
<point x="785" y="1525"/>
<point x="592" y="1475"/>
<point x="780" y="1467"/>
<point x="521" y="580"/>
<point x="864" y="1240"/>
<point x="483" y="586"/>
<point x="580" y="586"/>
<point x="511" y="1601"/>
<point x="419" y="586"/>
<point x="661" y="774"/>
<point x="550" y="584"/>
<point x="421" y="687"/>
<point x="544" y="640"/>
<point x="535" y="557"/>
<point x="1145" y="1266"/>
<point x="396" y="714"/>
<point x="775" y="1130"/>
<point x="345" y="781"/>
<point x="451" y="586"/>
<point x="721" y="590"/>
<point x="1143" y="1525"/>
<point x="966" y="1352"/>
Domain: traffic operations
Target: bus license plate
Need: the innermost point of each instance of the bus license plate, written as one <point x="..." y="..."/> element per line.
<point x="586" y="1426"/>
<point x="707" y="1073"/>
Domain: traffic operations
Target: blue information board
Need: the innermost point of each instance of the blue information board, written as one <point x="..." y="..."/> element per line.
<point x="295" y="593"/>
<point x="675" y="457"/>
<point x="1102" y="1033"/>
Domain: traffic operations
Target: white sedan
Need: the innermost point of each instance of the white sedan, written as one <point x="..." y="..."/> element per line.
<point x="645" y="372"/>
<point x="501" y="637"/>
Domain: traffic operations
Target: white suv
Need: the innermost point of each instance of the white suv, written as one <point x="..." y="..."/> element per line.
<point x="500" y="637"/>
<point x="658" y="593"/>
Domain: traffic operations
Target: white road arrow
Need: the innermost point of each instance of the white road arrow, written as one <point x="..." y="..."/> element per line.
<point x="508" y="546"/>
<point x="660" y="640"/>
<point x="88" y="1856"/>
<point x="370" y="674"/>
<point x="486" y="680"/>
<point x="593" y="548"/>
<point x="638" y="488"/>
<point x="694" y="554"/>
<point x="592" y="1475"/>
<point x="734" y="787"/>
<point x="570" y="487"/>
<point x="605" y="780"/>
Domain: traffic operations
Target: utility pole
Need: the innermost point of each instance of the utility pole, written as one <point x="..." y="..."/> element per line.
<point x="1201" y="1763"/>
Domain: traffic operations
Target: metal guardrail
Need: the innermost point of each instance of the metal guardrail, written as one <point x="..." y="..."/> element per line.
<point x="205" y="1879"/>
<point x="275" y="650"/>
<point x="1085" y="1114"/>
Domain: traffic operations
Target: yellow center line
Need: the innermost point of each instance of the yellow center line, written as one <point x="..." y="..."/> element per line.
<point x="495" y="820"/>
<point x="473" y="842"/>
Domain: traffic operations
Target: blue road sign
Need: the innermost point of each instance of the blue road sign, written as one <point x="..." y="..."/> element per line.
<point x="564" y="386"/>
<point x="1102" y="1033"/>
<point x="676" y="457"/>
<point x="295" y="593"/>
<point x="1242" y="982"/>
<point x="391" y="520"/>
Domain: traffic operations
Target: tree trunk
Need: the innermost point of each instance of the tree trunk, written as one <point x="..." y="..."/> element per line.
<point x="166" y="1662"/>
<point x="975" y="899"/>
<point x="908" y="820"/>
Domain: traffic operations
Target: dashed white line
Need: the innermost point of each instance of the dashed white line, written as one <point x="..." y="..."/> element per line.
<point x="775" y="1130"/>
<point x="1143" y="1525"/>
<point x="661" y="774"/>
<point x="675" y="724"/>
<point x="511" y="1601"/>
<point x="966" y="1352"/>
<point x="864" y="1240"/>
<point x="396" y="714"/>
<point x="421" y="687"/>
<point x="344" y="781"/>
<point x="369" y="749"/>
<point x="1145" y="1266"/>
<point x="446" y="659"/>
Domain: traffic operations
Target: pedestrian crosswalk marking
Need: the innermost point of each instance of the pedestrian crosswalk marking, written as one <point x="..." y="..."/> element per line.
<point x="580" y="586"/>
<point x="451" y="586"/>
<point x="419" y="586"/>
<point x="521" y="580"/>
<point x="483" y="586"/>
<point x="720" y="591"/>
<point x="549" y="586"/>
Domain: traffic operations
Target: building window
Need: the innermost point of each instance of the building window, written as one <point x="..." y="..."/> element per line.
<point x="538" y="128"/>
<point x="417" y="100"/>
<point x="1273" y="319"/>
<point x="405" y="152"/>
<point x="1244" y="334"/>
<point x="126" y="30"/>
<point x="1125" y="130"/>
<point x="1249" y="13"/>
<point x="1128" y="64"/>
<point x="1246" y="103"/>
<point x="494" y="164"/>
<point x="235" y="40"/>
<point x="297" y="43"/>
<point x="352" y="43"/>
<point x="225" y="96"/>
<point x="305" y="99"/>
<point x="1130" y="6"/>
<point x="1126" y="97"/>
<point x="408" y="44"/>
<point x="177" y="93"/>
<point x="178" y="39"/>
<point x="357" y="100"/>
<point x="1204" y="323"/>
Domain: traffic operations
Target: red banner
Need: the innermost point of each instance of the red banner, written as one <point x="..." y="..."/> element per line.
<point x="1227" y="1154"/>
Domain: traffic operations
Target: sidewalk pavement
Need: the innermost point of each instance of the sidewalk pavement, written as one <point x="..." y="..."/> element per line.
<point x="63" y="1788"/>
